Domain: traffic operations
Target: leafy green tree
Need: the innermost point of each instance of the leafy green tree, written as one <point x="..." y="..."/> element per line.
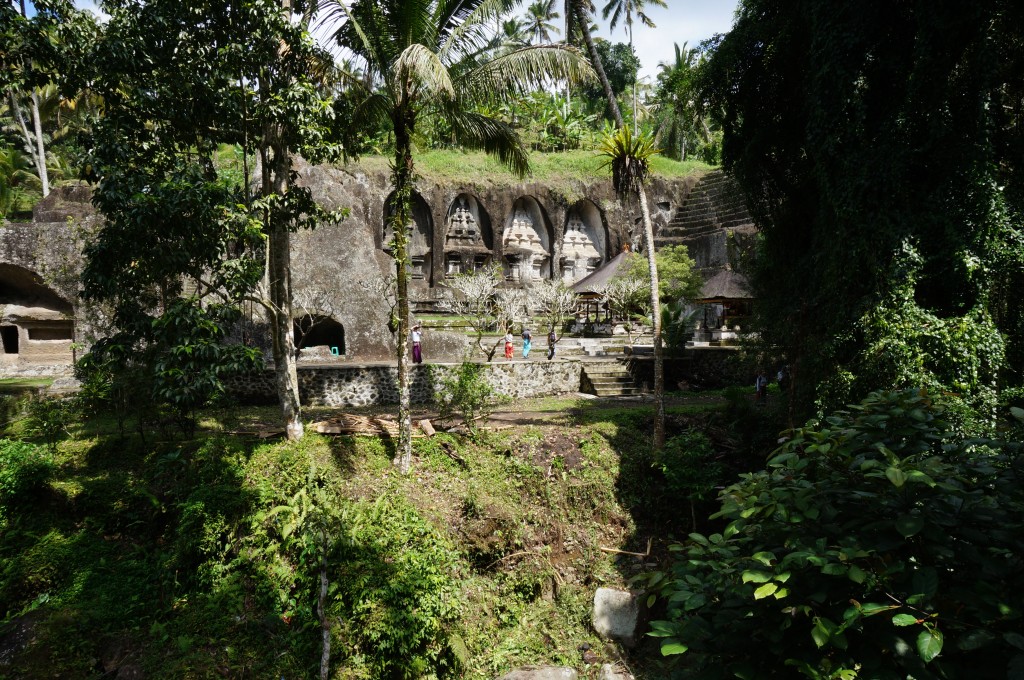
<point x="621" y="65"/>
<point x="16" y="179"/>
<point x="678" y="280"/>
<point x="425" y="55"/>
<point x="37" y="54"/>
<point x="178" y="81"/>
<point x="861" y="132"/>
<point x="876" y="543"/>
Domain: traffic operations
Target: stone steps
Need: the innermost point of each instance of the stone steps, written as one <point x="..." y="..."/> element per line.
<point x="715" y="204"/>
<point x="610" y="379"/>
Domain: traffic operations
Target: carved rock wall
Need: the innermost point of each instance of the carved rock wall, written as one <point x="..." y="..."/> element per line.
<point x="335" y="261"/>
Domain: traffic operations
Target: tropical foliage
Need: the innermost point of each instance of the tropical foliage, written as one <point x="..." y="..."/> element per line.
<point x="426" y="57"/>
<point x="877" y="543"/>
<point x="893" y="140"/>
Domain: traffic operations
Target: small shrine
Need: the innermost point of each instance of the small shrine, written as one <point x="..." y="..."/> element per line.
<point x="579" y="255"/>
<point x="524" y="249"/>
<point x="465" y="248"/>
<point x="727" y="303"/>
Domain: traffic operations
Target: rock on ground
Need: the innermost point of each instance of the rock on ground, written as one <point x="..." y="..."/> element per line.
<point x="616" y="614"/>
<point x="541" y="673"/>
<point x="612" y="672"/>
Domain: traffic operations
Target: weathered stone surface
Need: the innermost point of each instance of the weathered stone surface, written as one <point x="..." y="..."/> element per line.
<point x="541" y="673"/>
<point x="341" y="385"/>
<point x="613" y="672"/>
<point x="616" y="614"/>
<point x="43" y="259"/>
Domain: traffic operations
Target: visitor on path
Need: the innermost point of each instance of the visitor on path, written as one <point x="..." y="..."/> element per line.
<point x="552" y="339"/>
<point x="508" y="344"/>
<point x="527" y="340"/>
<point x="417" y="352"/>
<point x="761" y="387"/>
<point x="783" y="377"/>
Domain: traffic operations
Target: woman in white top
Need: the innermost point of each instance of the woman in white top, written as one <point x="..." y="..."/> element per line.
<point x="417" y="352"/>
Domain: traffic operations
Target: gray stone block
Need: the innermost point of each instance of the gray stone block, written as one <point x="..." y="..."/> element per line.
<point x="612" y="672"/>
<point x="616" y="614"/>
<point x="541" y="673"/>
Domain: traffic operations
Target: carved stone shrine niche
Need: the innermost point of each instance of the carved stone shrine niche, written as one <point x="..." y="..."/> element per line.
<point x="421" y="236"/>
<point x="526" y="243"/>
<point x="584" y="244"/>
<point x="467" y="243"/>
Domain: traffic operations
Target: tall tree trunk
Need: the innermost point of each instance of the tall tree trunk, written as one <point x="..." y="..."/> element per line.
<point x="321" y="610"/>
<point x="276" y="162"/>
<point x="595" y="60"/>
<point x="659" y="351"/>
<point x="659" y="357"/>
<point x="40" y="150"/>
<point x="401" y="214"/>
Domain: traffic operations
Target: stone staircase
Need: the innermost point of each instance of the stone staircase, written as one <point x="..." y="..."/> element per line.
<point x="715" y="203"/>
<point x="609" y="379"/>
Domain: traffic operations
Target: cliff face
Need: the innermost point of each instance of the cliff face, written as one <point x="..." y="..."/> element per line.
<point x="563" y="229"/>
<point x="337" y="258"/>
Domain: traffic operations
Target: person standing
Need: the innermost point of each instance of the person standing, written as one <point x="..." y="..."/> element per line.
<point x="508" y="343"/>
<point x="552" y="339"/>
<point x="417" y="339"/>
<point x="527" y="341"/>
<point x="761" y="387"/>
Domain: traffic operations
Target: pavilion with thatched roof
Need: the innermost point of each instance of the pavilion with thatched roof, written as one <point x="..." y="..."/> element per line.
<point x="590" y="288"/>
<point x="727" y="299"/>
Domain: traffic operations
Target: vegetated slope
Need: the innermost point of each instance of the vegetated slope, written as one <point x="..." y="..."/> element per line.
<point x="551" y="168"/>
<point x="175" y="559"/>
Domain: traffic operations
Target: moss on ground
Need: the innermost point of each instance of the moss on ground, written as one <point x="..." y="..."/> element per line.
<point x="196" y="558"/>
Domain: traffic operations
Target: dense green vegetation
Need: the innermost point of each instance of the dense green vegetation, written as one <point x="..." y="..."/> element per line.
<point x="877" y="543"/>
<point x="195" y="556"/>
<point x="879" y="146"/>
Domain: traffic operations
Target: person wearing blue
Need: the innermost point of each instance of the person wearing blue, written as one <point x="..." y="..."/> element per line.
<point x="527" y="339"/>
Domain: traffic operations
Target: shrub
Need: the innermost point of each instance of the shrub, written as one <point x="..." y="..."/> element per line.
<point x="48" y="419"/>
<point x="467" y="393"/>
<point x="396" y="592"/>
<point x="874" y="545"/>
<point x="688" y="465"/>
<point x="24" y="469"/>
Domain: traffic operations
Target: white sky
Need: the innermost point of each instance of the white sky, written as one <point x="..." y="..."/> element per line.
<point x="687" y="21"/>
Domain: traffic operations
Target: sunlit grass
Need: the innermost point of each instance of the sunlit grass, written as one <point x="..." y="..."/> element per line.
<point x="553" y="168"/>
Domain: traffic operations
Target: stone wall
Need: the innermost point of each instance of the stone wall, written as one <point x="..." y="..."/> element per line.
<point x="368" y="385"/>
<point x="705" y="367"/>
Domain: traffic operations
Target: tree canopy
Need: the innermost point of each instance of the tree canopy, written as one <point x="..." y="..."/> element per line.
<point x="869" y="140"/>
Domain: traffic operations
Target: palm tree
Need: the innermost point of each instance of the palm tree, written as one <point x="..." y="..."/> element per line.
<point x="679" y="114"/>
<point x="430" y="56"/>
<point x="627" y="9"/>
<point x="623" y="156"/>
<point x="539" y="16"/>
